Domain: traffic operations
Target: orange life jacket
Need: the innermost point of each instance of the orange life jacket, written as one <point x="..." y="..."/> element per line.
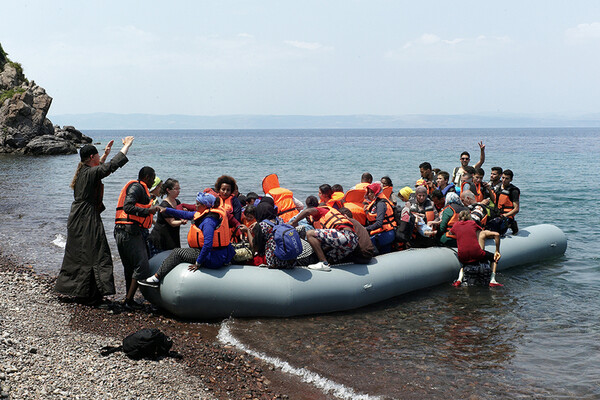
<point x="389" y="223"/>
<point x="387" y="191"/>
<point x="222" y="235"/>
<point x="121" y="217"/>
<point x="429" y="216"/>
<point x="353" y="201"/>
<point x="337" y="196"/>
<point x="337" y="204"/>
<point x="424" y="182"/>
<point x="504" y="203"/>
<point x="454" y="218"/>
<point x="284" y="200"/>
<point x="361" y="186"/>
<point x="478" y="192"/>
<point x="333" y="220"/>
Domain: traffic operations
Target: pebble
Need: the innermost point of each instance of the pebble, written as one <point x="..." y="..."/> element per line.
<point x="70" y="365"/>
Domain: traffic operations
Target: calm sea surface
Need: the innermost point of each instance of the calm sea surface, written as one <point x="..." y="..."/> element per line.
<point x="538" y="336"/>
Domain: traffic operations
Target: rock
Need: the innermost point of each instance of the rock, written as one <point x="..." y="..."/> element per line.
<point x="49" y="145"/>
<point x="24" y="127"/>
<point x="9" y="77"/>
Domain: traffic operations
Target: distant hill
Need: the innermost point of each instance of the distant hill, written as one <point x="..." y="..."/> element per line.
<point x="151" y="121"/>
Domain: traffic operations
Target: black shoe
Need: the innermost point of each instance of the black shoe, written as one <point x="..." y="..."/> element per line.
<point x="132" y="305"/>
<point x="105" y="305"/>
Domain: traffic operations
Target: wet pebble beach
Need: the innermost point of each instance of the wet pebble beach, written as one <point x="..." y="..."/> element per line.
<point x="50" y="349"/>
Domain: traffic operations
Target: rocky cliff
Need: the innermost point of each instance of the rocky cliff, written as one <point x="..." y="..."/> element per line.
<point x="24" y="127"/>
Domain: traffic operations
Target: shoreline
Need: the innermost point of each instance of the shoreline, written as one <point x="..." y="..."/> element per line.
<point x="50" y="348"/>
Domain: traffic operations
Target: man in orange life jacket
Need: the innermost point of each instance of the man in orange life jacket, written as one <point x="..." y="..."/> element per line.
<point x="132" y="221"/>
<point x="507" y="199"/>
<point x="483" y="192"/>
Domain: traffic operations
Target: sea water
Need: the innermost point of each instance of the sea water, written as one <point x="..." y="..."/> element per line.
<point x="538" y="336"/>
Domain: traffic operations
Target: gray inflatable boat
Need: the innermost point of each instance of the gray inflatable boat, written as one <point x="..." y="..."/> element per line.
<point x="248" y="291"/>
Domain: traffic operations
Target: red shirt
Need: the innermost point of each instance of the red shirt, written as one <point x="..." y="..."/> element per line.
<point x="469" y="250"/>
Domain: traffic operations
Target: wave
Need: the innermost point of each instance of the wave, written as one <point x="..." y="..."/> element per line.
<point x="60" y="241"/>
<point x="326" y="385"/>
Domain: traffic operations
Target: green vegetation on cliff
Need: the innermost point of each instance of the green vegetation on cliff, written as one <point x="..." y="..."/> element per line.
<point x="3" y="57"/>
<point x="4" y="60"/>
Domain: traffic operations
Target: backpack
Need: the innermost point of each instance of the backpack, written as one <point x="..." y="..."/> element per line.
<point x="145" y="343"/>
<point x="287" y="241"/>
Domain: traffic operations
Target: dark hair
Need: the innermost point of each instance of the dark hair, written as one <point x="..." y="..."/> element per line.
<point x="366" y="178"/>
<point x="251" y="196"/>
<point x="337" y="188"/>
<point x="312" y="201"/>
<point x="436" y="170"/>
<point x="225" y="179"/>
<point x="242" y="199"/>
<point x="169" y="184"/>
<point x="469" y="170"/>
<point x="437" y="194"/>
<point x="465" y="153"/>
<point x="86" y="151"/>
<point x="386" y="178"/>
<point x="346" y="212"/>
<point x="217" y="202"/>
<point x="326" y="190"/>
<point x="479" y="171"/>
<point x="497" y="169"/>
<point x="250" y="210"/>
<point x="146" y="172"/>
<point x="445" y="175"/>
<point x="425" y="165"/>
<point x="508" y="172"/>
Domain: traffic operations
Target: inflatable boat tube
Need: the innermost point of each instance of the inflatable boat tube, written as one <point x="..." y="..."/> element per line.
<point x="248" y="291"/>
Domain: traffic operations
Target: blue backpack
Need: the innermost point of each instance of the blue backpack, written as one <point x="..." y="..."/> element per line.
<point x="287" y="241"/>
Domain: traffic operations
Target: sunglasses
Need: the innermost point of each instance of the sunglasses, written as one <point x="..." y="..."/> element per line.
<point x="465" y="158"/>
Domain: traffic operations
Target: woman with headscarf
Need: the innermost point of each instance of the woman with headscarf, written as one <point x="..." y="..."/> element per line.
<point x="381" y="224"/>
<point x="87" y="268"/>
<point x="209" y="239"/>
<point x="448" y="218"/>
<point x="423" y="206"/>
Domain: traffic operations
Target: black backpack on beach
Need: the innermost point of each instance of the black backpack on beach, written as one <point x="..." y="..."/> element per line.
<point x="145" y="343"/>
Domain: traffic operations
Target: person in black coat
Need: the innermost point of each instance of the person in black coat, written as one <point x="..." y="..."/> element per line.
<point x="87" y="268"/>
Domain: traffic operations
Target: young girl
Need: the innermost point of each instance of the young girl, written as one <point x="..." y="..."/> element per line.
<point x="165" y="235"/>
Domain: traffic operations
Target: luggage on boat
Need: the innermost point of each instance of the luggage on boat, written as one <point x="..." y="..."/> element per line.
<point x="287" y="241"/>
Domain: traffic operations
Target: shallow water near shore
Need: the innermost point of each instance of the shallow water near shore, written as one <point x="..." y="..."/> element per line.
<point x="536" y="336"/>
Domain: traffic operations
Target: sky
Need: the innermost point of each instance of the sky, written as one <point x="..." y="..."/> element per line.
<point x="309" y="57"/>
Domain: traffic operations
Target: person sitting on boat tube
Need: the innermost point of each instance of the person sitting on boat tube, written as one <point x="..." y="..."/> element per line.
<point x="381" y="224"/>
<point x="470" y="241"/>
<point x="332" y="230"/>
<point x="209" y="239"/>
